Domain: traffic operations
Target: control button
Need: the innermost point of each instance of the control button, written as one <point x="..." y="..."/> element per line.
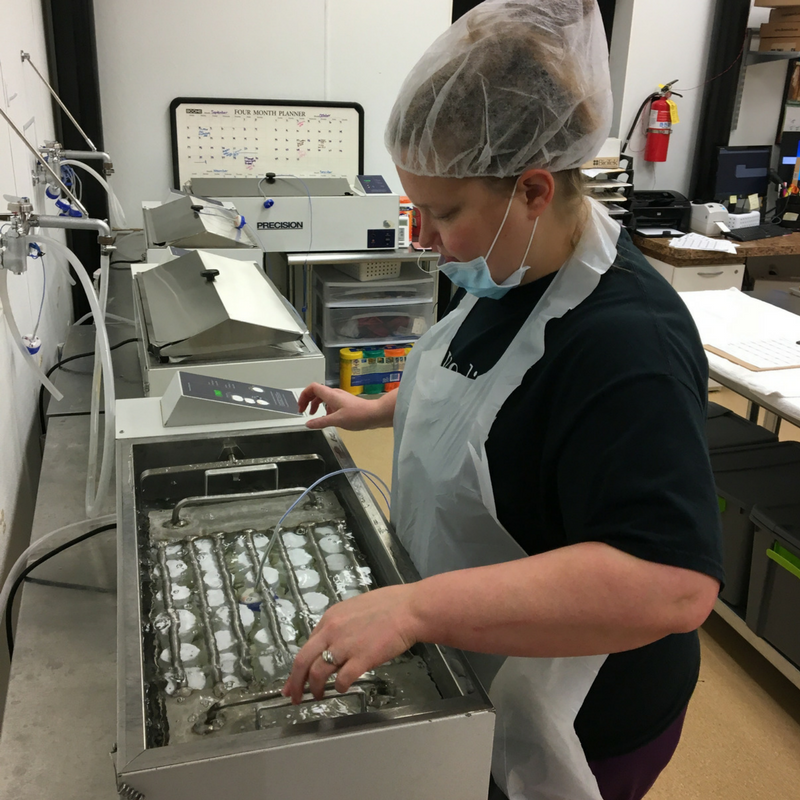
<point x="262" y="402"/>
<point x="237" y="397"/>
<point x="250" y="400"/>
<point x="257" y="389"/>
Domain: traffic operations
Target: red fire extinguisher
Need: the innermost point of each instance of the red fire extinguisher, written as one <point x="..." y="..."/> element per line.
<point x="663" y="114"/>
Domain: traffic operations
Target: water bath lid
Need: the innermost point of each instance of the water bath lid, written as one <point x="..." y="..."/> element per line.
<point x="205" y="305"/>
<point x="189" y="221"/>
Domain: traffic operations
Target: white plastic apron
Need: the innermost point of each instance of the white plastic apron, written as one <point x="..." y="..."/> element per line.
<point x="444" y="513"/>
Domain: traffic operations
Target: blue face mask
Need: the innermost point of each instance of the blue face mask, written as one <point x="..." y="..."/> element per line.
<point x="475" y="277"/>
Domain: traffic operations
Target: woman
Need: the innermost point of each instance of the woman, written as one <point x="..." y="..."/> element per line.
<point x="551" y="479"/>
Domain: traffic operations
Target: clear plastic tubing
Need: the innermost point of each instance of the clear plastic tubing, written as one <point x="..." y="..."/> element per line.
<point x="46" y="543"/>
<point x="17" y="338"/>
<point x="92" y="505"/>
<point x="254" y="236"/>
<point x="102" y="367"/>
<point x="117" y="214"/>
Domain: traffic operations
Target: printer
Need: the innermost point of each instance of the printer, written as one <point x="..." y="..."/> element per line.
<point x="710" y="219"/>
<point x="661" y="210"/>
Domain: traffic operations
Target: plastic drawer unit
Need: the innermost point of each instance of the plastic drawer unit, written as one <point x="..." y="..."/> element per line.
<point x="726" y="429"/>
<point x="378" y="324"/>
<point x="763" y="475"/>
<point x="773" y="605"/>
<point x="338" y="289"/>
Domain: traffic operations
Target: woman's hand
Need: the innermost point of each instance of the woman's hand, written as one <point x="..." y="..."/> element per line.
<point x="361" y="633"/>
<point x="345" y="410"/>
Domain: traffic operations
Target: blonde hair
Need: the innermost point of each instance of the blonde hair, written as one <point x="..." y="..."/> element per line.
<point x="570" y="188"/>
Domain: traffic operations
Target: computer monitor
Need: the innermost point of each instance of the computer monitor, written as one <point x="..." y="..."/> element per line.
<point x="789" y="164"/>
<point x="742" y="171"/>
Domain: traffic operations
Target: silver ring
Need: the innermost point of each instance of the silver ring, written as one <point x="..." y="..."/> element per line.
<point x="328" y="658"/>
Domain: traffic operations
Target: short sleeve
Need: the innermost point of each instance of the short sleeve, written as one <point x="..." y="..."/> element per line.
<point x="634" y="473"/>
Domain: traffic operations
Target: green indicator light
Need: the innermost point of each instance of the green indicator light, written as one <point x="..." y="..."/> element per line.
<point x="217" y="392"/>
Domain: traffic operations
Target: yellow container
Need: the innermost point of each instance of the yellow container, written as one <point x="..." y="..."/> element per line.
<point x="348" y="358"/>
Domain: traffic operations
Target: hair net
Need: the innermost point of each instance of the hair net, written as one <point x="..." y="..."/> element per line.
<point x="511" y="85"/>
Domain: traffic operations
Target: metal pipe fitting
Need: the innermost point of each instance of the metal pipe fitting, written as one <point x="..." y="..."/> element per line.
<point x="88" y="155"/>
<point x="213" y="499"/>
<point x="105" y="236"/>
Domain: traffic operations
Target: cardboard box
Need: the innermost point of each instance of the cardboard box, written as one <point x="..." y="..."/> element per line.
<point x="776" y="3"/>
<point x="779" y="45"/>
<point x="607" y="158"/>
<point x="788" y="14"/>
<point x="780" y="30"/>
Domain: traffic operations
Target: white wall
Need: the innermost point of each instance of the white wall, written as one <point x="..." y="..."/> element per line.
<point x="646" y="52"/>
<point x="150" y="52"/>
<point x="654" y="43"/>
<point x="27" y="102"/>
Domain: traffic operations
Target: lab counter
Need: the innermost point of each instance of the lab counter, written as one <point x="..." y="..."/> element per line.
<point x="779" y="246"/>
<point x="60" y="717"/>
<point x="59" y="724"/>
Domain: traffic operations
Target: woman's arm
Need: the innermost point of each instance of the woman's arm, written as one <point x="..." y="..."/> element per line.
<point x="579" y="600"/>
<point x="584" y="599"/>
<point x="346" y="410"/>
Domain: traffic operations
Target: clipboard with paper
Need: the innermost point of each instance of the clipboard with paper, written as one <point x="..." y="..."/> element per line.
<point x="760" y="355"/>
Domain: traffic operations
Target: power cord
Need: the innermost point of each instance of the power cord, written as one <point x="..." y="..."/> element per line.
<point x="32" y="566"/>
<point x="42" y="419"/>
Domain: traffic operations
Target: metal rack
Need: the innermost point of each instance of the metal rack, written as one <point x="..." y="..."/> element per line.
<point x="751" y="58"/>
<point x="615" y="190"/>
<point x="781" y="663"/>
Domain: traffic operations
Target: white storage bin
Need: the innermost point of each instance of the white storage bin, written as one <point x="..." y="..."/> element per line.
<point x="371" y="270"/>
<point x="338" y="289"/>
<point x="355" y="326"/>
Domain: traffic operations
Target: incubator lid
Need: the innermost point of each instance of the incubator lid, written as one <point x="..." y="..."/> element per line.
<point x="207" y="305"/>
<point x="191" y="221"/>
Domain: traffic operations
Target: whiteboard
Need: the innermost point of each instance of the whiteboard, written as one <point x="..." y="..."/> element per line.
<point x="218" y="138"/>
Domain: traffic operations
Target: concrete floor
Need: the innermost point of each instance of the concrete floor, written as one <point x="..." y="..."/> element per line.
<point x="741" y="740"/>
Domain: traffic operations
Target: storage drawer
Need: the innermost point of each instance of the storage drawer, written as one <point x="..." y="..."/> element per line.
<point x="332" y="364"/>
<point x="773" y="608"/>
<point x="376" y="324"/>
<point x="698" y="279"/>
<point x="756" y="475"/>
<point x="337" y="289"/>
<point x="725" y="429"/>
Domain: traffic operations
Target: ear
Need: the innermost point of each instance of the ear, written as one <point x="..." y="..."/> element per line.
<point x="538" y="187"/>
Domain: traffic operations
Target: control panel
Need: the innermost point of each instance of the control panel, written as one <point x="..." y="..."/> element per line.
<point x="194" y="399"/>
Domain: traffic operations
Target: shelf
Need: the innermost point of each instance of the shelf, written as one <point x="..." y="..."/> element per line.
<point x="394" y="301"/>
<point x="752" y="58"/>
<point x="782" y="664"/>
<point x="759" y="57"/>
<point x="610" y="198"/>
<point x="407" y="254"/>
<point x="366" y="344"/>
<point x="589" y="185"/>
<point x="602" y="171"/>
